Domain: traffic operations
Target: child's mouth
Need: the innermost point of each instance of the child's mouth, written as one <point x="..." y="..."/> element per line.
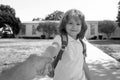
<point x="73" y="30"/>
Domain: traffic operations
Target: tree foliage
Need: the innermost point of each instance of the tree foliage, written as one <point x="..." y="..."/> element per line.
<point x="118" y="16"/>
<point x="7" y="16"/>
<point x="37" y="19"/>
<point x="107" y="27"/>
<point x="48" y="28"/>
<point x="56" y="15"/>
<point x="7" y="9"/>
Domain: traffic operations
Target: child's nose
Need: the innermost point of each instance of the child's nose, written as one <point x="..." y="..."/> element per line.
<point x="74" y="25"/>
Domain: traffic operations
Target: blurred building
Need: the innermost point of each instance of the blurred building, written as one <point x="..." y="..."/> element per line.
<point x="29" y="30"/>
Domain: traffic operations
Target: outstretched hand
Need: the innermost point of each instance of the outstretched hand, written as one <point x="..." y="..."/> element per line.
<point x="44" y="66"/>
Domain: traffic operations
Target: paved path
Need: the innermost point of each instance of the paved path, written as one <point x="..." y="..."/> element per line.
<point x="102" y="66"/>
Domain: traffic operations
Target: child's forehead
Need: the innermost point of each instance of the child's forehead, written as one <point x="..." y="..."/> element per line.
<point x="76" y="18"/>
<point x="75" y="13"/>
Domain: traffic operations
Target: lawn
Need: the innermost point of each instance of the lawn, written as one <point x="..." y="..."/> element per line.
<point x="17" y="50"/>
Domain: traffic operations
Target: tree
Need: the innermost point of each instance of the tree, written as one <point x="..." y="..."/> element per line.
<point x="56" y="15"/>
<point x="7" y="9"/>
<point x="107" y="27"/>
<point x="37" y="19"/>
<point x="118" y="16"/>
<point x="7" y="16"/>
<point x="48" y="28"/>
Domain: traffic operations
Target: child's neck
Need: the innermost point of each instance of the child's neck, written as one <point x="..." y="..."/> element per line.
<point x="74" y="37"/>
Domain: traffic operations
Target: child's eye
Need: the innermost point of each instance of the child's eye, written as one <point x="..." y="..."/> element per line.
<point x="70" y="23"/>
<point x="78" y="24"/>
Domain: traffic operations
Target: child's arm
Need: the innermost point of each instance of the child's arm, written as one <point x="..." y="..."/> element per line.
<point x="48" y="55"/>
<point x="86" y="70"/>
<point x="52" y="50"/>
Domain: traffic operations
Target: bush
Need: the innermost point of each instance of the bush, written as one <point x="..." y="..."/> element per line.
<point x="93" y="38"/>
<point x="107" y="27"/>
<point x="48" y="28"/>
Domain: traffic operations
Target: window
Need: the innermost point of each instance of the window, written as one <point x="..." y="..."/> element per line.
<point x="92" y="27"/>
<point x="23" y="29"/>
<point x="33" y="30"/>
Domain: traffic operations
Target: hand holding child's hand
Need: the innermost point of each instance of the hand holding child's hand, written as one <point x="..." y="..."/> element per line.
<point x="43" y="67"/>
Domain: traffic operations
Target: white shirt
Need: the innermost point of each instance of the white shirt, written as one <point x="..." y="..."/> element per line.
<point x="70" y="67"/>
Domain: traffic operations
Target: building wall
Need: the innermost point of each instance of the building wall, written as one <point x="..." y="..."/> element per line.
<point x="92" y="29"/>
<point x="31" y="31"/>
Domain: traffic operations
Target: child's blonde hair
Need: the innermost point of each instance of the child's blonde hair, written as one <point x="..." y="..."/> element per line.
<point x="65" y="19"/>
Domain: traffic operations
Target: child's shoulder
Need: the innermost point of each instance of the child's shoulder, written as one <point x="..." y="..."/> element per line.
<point x="57" y="37"/>
<point x="57" y="40"/>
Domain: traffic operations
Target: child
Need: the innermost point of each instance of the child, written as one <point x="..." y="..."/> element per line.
<point x="72" y="66"/>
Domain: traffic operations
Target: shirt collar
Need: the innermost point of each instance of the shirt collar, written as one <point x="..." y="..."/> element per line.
<point x="71" y="39"/>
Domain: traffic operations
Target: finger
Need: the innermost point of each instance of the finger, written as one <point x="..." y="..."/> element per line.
<point x="40" y="72"/>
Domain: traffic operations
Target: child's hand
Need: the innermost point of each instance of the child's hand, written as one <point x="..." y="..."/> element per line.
<point x="43" y="67"/>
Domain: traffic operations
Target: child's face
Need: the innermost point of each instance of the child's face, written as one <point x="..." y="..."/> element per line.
<point x="73" y="27"/>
